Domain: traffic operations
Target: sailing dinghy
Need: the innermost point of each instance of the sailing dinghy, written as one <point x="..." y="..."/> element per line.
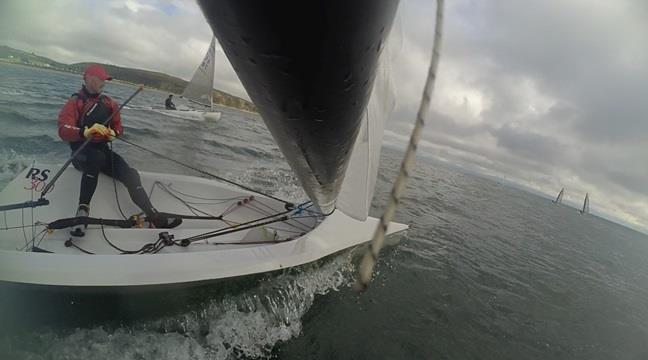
<point x="318" y="93"/>
<point x="199" y="91"/>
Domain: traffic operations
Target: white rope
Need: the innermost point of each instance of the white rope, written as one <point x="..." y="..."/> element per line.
<point x="371" y="256"/>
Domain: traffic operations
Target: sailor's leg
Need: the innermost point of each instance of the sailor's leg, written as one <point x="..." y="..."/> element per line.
<point x="89" y="161"/>
<point x="117" y="167"/>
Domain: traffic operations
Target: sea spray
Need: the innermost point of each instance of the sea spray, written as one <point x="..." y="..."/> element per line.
<point x="249" y="324"/>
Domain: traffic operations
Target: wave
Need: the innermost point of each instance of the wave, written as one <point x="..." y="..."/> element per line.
<point x="248" y="325"/>
<point x="11" y="92"/>
<point x="11" y="164"/>
<point x="13" y="117"/>
<point x="32" y="145"/>
<point x="139" y="133"/>
<point x="281" y="183"/>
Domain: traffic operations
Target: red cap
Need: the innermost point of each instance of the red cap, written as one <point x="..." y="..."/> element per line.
<point x="98" y="71"/>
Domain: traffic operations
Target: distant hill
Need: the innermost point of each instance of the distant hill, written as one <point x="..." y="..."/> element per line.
<point x="8" y="54"/>
<point x="151" y="79"/>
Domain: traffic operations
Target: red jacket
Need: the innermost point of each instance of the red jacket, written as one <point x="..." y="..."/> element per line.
<point x="70" y="117"/>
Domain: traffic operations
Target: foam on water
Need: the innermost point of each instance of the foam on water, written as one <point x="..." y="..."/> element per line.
<point x="250" y="324"/>
<point x="11" y="164"/>
<point x="281" y="183"/>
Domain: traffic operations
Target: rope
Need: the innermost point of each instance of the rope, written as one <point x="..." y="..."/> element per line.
<point x="371" y="256"/>
<point x="205" y="172"/>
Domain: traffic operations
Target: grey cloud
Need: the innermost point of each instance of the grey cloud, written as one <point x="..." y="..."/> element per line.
<point x="529" y="145"/>
<point x="576" y="61"/>
<point x="586" y="62"/>
<point x="110" y="32"/>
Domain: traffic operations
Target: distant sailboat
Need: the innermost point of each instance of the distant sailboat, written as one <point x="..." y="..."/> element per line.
<point x="201" y="87"/>
<point x="585" y="209"/>
<point x="560" y="197"/>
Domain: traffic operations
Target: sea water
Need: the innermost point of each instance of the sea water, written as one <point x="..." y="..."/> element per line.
<point x="486" y="271"/>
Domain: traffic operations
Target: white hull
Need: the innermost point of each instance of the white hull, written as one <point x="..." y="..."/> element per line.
<point x="191" y="114"/>
<point x="201" y="261"/>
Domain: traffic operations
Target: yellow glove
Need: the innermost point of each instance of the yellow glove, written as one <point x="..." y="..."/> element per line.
<point x="111" y="134"/>
<point x="97" y="130"/>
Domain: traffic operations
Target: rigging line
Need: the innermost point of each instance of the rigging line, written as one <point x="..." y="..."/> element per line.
<point x="69" y="243"/>
<point x="187" y="242"/>
<point x="277" y="228"/>
<point x="187" y="204"/>
<point x="123" y="252"/>
<point x="24" y="247"/>
<point x="230" y="209"/>
<point x="22" y="215"/>
<point x="250" y="223"/>
<point x="208" y="203"/>
<point x="371" y="256"/>
<point x="33" y="239"/>
<point x="313" y="214"/>
<point x="261" y="203"/>
<point x="204" y="172"/>
<point x="58" y="174"/>
<point x="31" y="192"/>
<point x="305" y="217"/>
<point x="161" y="186"/>
<point x="170" y="187"/>
<point x="251" y="242"/>
<point x="16" y="227"/>
<point x="191" y="208"/>
<point x="44" y="232"/>
<point x="103" y="233"/>
<point x="236" y="206"/>
<point x="259" y="209"/>
<point x="153" y="247"/>
<point x="302" y="227"/>
<point x="265" y="212"/>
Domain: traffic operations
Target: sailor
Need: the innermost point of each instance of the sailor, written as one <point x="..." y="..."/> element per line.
<point x="168" y="104"/>
<point x="82" y="118"/>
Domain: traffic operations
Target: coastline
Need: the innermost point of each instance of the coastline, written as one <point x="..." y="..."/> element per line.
<point x="120" y="81"/>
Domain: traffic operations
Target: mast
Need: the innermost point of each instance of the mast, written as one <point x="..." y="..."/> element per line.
<point x="309" y="67"/>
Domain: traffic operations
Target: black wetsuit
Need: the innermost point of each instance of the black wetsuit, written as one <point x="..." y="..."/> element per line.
<point x="169" y="104"/>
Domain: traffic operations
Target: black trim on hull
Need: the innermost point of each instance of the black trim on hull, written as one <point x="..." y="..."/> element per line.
<point x="309" y="67"/>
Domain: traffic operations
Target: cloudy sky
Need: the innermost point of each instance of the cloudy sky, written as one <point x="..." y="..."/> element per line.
<point x="546" y="94"/>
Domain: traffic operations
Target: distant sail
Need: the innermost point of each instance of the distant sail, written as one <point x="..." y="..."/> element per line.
<point x="560" y="197"/>
<point x="585" y="205"/>
<point x="200" y="88"/>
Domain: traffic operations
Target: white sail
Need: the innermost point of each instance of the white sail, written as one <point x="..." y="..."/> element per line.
<point x="200" y="88"/>
<point x="357" y="189"/>
<point x="586" y="205"/>
<point x="560" y="196"/>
